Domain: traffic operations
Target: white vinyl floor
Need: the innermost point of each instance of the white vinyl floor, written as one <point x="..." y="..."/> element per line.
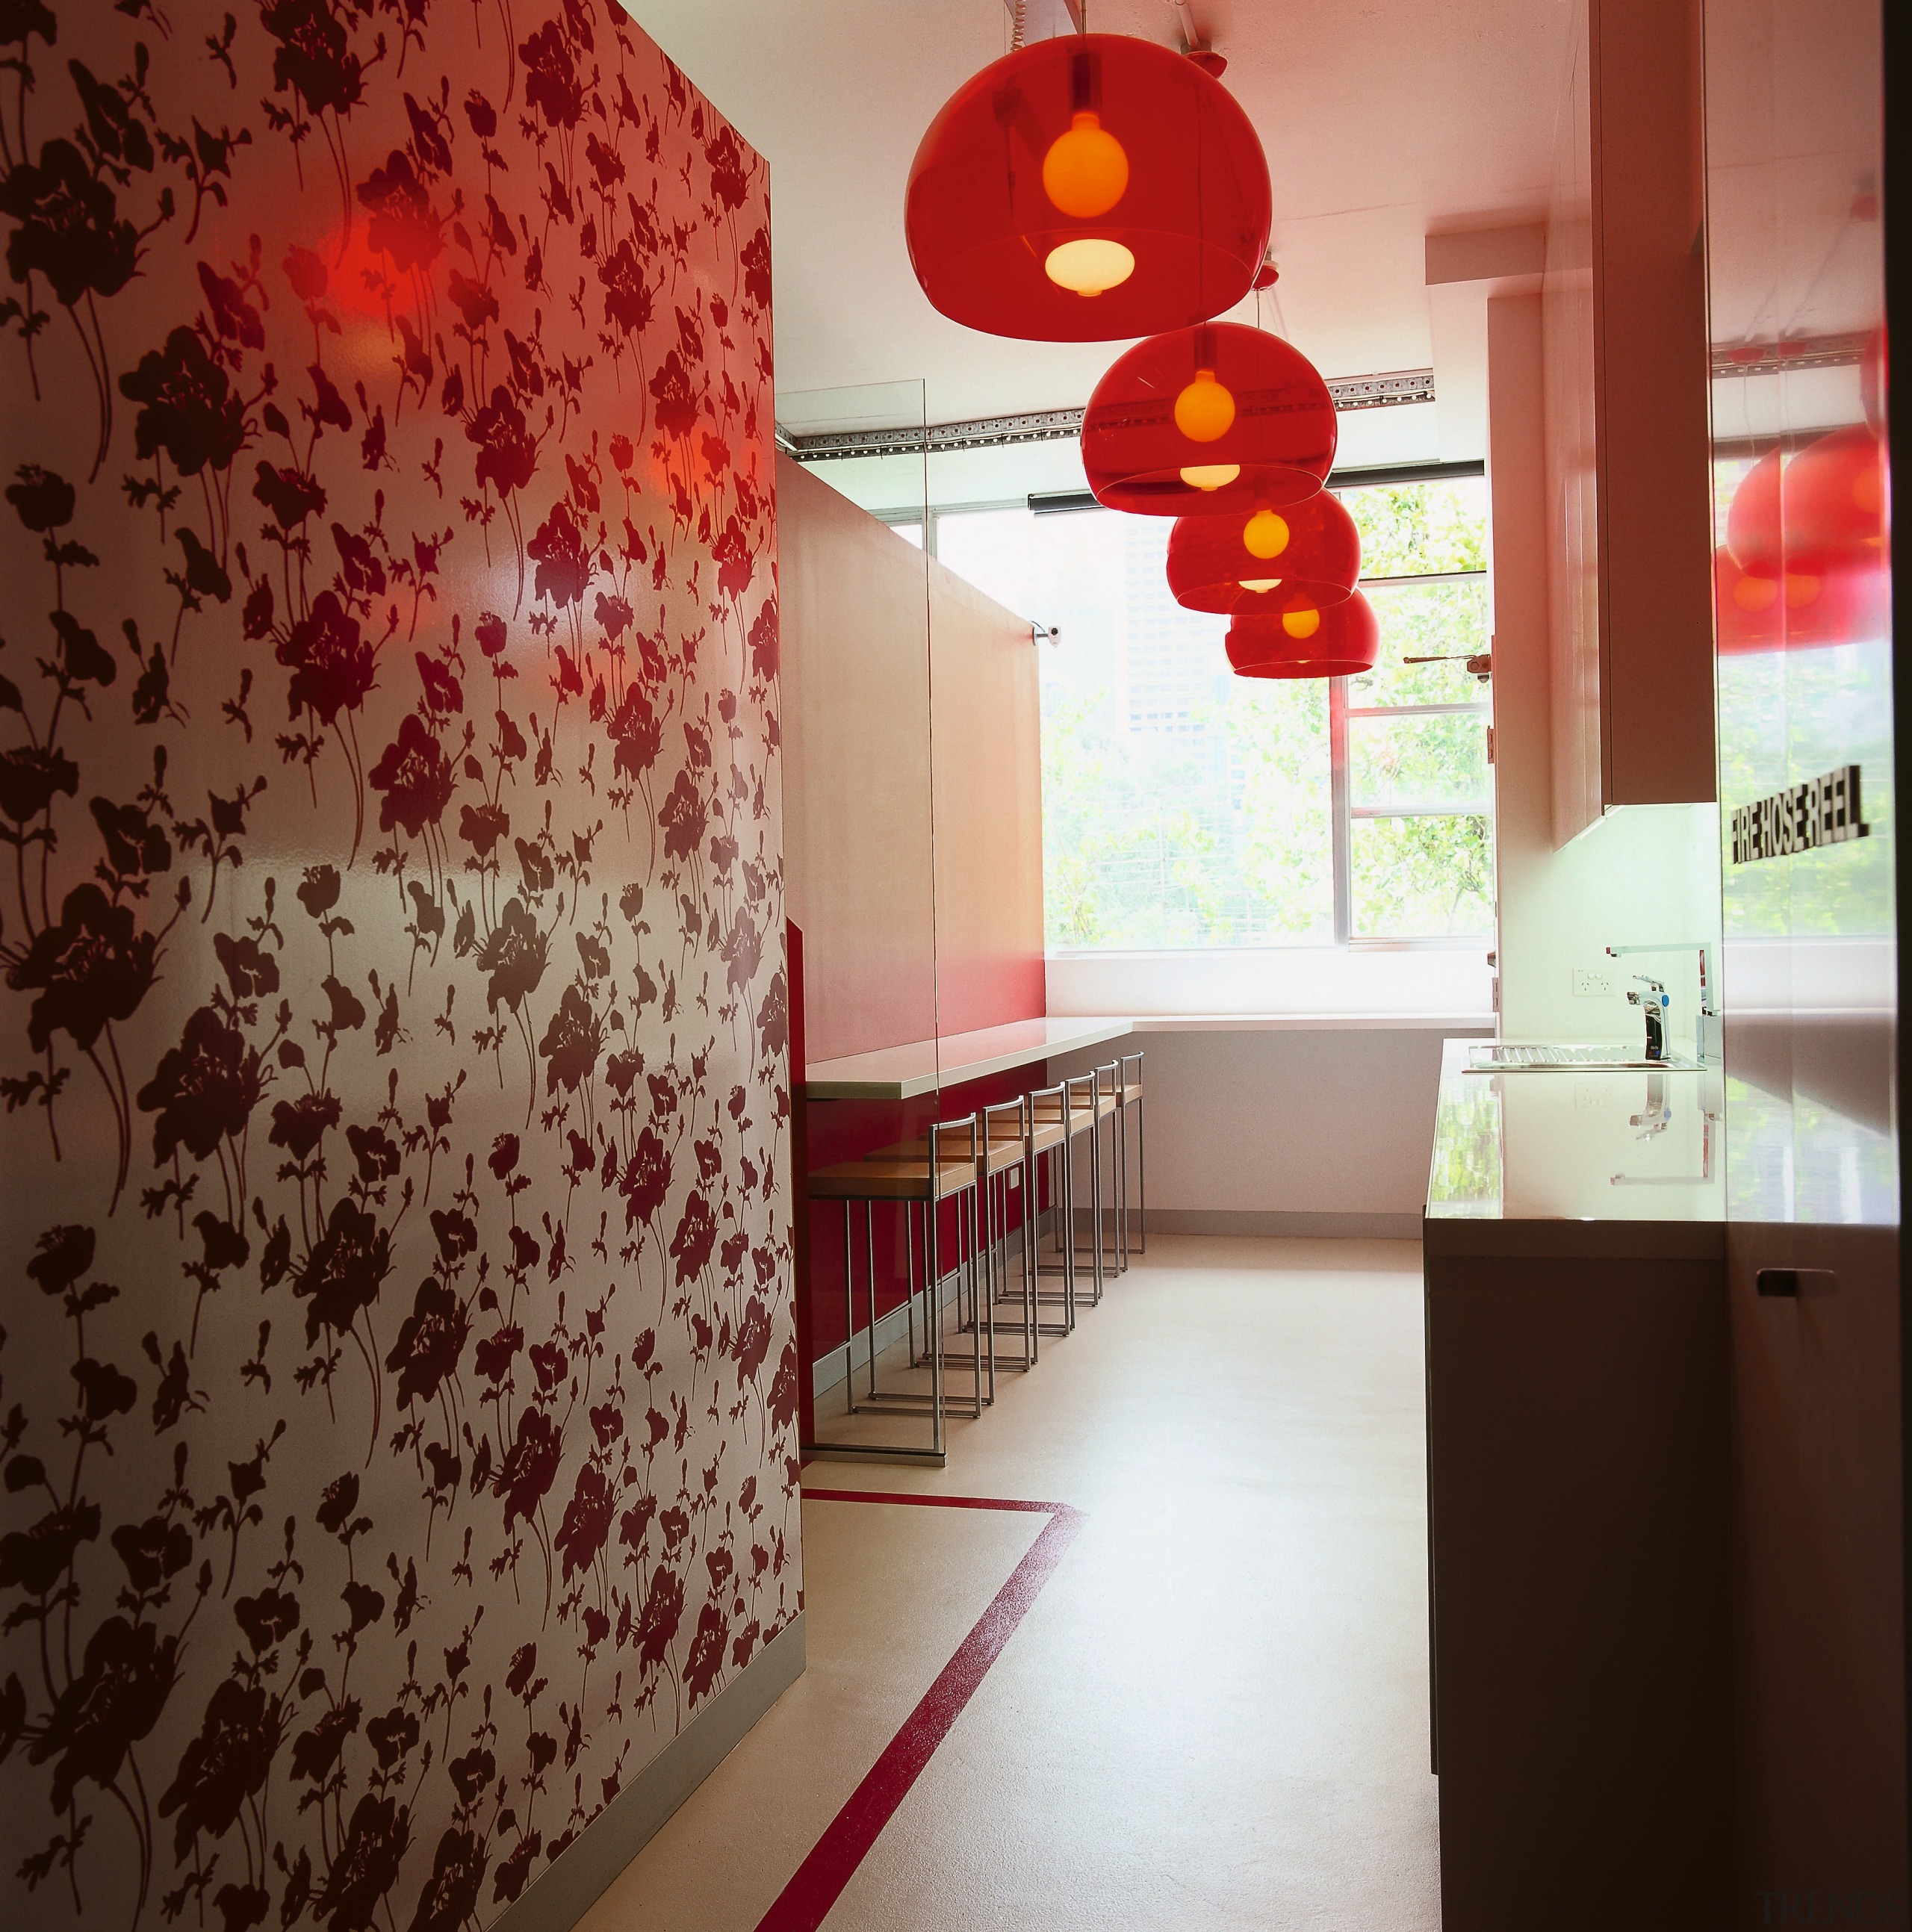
<point x="1215" y="1713"/>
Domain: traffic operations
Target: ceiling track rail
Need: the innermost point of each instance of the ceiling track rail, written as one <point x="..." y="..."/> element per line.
<point x="1349" y="392"/>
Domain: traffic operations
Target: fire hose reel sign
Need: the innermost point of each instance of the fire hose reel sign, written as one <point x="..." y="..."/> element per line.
<point x="1824" y="811"/>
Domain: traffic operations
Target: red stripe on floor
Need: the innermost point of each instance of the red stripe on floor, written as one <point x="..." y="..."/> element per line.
<point x="929" y="1502"/>
<point x="804" y="1902"/>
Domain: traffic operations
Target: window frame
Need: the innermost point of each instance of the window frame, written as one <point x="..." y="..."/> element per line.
<point x="1344" y="812"/>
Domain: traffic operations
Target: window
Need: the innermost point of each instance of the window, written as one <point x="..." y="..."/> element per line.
<point x="1419" y="810"/>
<point x="1185" y="807"/>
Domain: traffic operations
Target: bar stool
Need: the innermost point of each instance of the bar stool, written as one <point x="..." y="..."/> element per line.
<point x="918" y="1183"/>
<point x="1048" y="1128"/>
<point x="1020" y="1124"/>
<point x="1128" y="1100"/>
<point x="1081" y="1111"/>
<point x="996" y="1152"/>
<point x="1109" y="1107"/>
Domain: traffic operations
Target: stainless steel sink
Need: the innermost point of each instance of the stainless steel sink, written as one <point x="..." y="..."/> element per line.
<point x="1515" y="1057"/>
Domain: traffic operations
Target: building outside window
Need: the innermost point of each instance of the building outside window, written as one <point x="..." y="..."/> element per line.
<point x="1186" y="807"/>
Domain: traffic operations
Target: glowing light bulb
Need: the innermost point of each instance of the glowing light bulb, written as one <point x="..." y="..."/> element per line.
<point x="1301" y="621"/>
<point x="1211" y="475"/>
<point x="1086" y="171"/>
<point x="1204" y="409"/>
<point x="1800" y="590"/>
<point x="1755" y="593"/>
<point x="1260" y="582"/>
<point x="1089" y="264"/>
<point x="1265" y="535"/>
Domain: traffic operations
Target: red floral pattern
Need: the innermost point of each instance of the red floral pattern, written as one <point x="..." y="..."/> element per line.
<point x="397" y="1438"/>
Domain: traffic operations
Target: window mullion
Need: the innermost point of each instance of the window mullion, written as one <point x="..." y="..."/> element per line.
<point x="1339" y="818"/>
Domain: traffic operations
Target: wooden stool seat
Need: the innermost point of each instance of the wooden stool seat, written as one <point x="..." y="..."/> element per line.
<point x="891" y="1177"/>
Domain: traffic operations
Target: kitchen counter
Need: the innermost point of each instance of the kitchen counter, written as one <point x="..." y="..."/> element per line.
<point x="1576" y="1161"/>
<point x="1574" y="1246"/>
<point x="921" y="1066"/>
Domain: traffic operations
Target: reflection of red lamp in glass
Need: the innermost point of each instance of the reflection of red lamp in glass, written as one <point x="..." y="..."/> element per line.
<point x="1088" y="188"/>
<point x="1824" y="510"/>
<point x="1303" y="555"/>
<point x="1745" y="609"/>
<point x="1797" y="610"/>
<point x="1752" y="519"/>
<point x="1832" y="503"/>
<point x="1341" y="640"/>
<point x="1214" y="421"/>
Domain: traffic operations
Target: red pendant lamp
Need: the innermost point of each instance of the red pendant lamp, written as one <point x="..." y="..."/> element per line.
<point x="1305" y="555"/>
<point x="1088" y="188"/>
<point x="1343" y="641"/>
<point x="1214" y="421"/>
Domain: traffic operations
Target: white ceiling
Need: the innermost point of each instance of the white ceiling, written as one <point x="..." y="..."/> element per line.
<point x="1383" y="119"/>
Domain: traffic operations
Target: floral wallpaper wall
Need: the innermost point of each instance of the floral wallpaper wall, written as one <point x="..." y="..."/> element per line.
<point x="398" y="1378"/>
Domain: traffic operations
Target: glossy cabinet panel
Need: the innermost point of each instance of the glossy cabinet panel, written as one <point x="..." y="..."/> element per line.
<point x="1623" y="302"/>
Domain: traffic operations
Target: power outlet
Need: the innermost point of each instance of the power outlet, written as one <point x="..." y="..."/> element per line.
<point x="1590" y="982"/>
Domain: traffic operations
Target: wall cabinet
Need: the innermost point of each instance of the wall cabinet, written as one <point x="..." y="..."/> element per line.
<point x="1623" y="300"/>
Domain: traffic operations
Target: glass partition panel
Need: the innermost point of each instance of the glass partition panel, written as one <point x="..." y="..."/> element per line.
<point x="1182" y="806"/>
<point x="858" y="810"/>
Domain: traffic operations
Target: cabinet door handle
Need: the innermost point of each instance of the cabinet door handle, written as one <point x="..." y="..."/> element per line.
<point x="1794" y="1282"/>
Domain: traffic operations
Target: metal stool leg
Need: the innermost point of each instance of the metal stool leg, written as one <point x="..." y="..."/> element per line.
<point x="909" y="1272"/>
<point x="932" y="1332"/>
<point x="1141" y="1175"/>
<point x="849" y="1317"/>
<point x="870" y="1287"/>
<point x="1119" y="1142"/>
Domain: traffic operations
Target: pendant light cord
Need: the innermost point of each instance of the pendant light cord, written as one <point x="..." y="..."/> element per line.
<point x="1018" y="9"/>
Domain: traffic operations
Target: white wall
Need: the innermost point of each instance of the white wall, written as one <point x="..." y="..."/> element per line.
<point x="1422" y="982"/>
<point x="1287" y="1129"/>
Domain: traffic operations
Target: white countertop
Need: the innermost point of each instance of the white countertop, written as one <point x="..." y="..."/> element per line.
<point x="921" y="1067"/>
<point x="1583" y="1160"/>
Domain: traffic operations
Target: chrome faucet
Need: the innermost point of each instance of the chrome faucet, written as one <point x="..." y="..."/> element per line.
<point x="1703" y="1046"/>
<point x="1654" y="1002"/>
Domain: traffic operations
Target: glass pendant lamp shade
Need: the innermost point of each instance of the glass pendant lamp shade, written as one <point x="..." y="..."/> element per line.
<point x="1088" y="188"/>
<point x="1342" y="641"/>
<point x="1215" y="421"/>
<point x="1305" y="555"/>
